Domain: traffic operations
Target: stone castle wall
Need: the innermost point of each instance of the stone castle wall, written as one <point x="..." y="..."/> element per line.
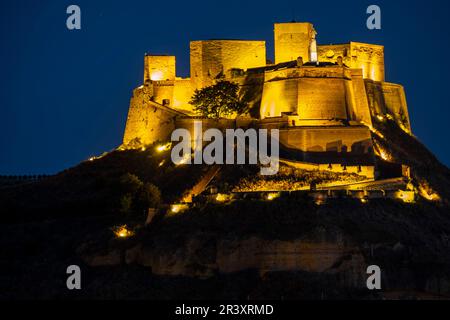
<point x="321" y="107"/>
<point x="356" y="55"/>
<point x="163" y="91"/>
<point x="311" y="93"/>
<point x="388" y="98"/>
<point x="212" y="59"/>
<point x="175" y="94"/>
<point x="355" y="139"/>
<point x="279" y="97"/>
<point x="359" y="108"/>
<point x="182" y="93"/>
<point x="159" y="68"/>
<point x="292" y="40"/>
<point x="322" y="98"/>
<point x="147" y="121"/>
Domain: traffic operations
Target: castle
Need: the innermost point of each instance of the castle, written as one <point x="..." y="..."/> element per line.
<point x="322" y="98"/>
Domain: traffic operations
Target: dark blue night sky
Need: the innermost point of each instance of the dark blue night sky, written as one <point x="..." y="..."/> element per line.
<point x="64" y="94"/>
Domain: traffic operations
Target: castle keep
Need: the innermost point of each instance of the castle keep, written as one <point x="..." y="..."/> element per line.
<point x="323" y="98"/>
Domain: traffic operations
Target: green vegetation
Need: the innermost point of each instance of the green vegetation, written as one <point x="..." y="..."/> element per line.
<point x="138" y="196"/>
<point x="49" y="224"/>
<point x="126" y="202"/>
<point x="292" y="179"/>
<point x="218" y="100"/>
<point x="121" y="181"/>
<point x="149" y="196"/>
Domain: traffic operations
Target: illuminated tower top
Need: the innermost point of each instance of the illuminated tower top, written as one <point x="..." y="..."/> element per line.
<point x="293" y="40"/>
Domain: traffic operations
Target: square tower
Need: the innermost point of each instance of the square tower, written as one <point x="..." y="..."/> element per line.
<point x="212" y="59"/>
<point x="293" y="40"/>
<point x="157" y="68"/>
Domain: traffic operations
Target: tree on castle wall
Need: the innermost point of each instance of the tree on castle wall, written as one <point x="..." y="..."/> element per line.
<point x="218" y="100"/>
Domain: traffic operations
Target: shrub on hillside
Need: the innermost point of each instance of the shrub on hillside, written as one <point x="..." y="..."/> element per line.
<point x="137" y="196"/>
<point x="148" y="196"/>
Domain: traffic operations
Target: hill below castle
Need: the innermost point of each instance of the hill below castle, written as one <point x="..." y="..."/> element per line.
<point x="291" y="247"/>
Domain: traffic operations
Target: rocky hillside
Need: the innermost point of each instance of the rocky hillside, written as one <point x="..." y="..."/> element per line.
<point x="286" y="248"/>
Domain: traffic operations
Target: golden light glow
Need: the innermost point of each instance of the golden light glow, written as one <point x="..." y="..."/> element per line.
<point x="185" y="159"/>
<point x="406" y="196"/>
<point x="273" y="100"/>
<point x="372" y="73"/>
<point x="320" y="200"/>
<point x="161" y="163"/>
<point x="399" y="123"/>
<point x="273" y="195"/>
<point x="364" y="200"/>
<point x="378" y="133"/>
<point x="405" y="129"/>
<point x="427" y="193"/>
<point x="384" y="155"/>
<point x="177" y="208"/>
<point x="164" y="147"/>
<point x="123" y="232"/>
<point x="221" y="197"/>
<point x="431" y="197"/>
<point x="156" y="75"/>
<point x="380" y="117"/>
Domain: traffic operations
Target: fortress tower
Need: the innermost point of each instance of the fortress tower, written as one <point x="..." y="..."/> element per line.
<point x="157" y="68"/>
<point x="293" y="40"/>
<point x="214" y="59"/>
<point x="323" y="98"/>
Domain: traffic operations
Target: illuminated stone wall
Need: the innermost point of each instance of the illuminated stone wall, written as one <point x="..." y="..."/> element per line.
<point x="311" y="97"/>
<point x="163" y="90"/>
<point x="292" y="40"/>
<point x="356" y="55"/>
<point x="321" y="98"/>
<point x="369" y="58"/>
<point x="354" y="139"/>
<point x="182" y="93"/>
<point x="389" y="98"/>
<point x="159" y="68"/>
<point x="278" y="97"/>
<point x="330" y="53"/>
<point x="175" y="94"/>
<point x="147" y="121"/>
<point x="359" y="108"/>
<point x="212" y="59"/>
<point x="311" y="93"/>
<point x="363" y="170"/>
<point x="395" y="103"/>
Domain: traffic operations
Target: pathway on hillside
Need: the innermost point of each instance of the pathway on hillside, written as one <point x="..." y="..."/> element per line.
<point x="200" y="186"/>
